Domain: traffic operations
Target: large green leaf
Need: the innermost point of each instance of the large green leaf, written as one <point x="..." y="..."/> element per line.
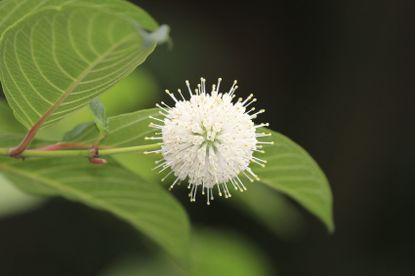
<point x="57" y="59"/>
<point x="292" y="171"/>
<point x="148" y="207"/>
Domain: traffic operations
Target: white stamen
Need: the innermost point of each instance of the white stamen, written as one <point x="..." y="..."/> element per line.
<point x="181" y="95"/>
<point x="171" y="96"/>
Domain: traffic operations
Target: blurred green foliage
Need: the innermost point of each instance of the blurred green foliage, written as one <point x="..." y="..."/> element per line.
<point x="214" y="252"/>
<point x="13" y="201"/>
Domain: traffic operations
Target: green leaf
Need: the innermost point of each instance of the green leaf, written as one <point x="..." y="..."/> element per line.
<point x="292" y="171"/>
<point x="147" y="207"/>
<point x="100" y="116"/>
<point x="56" y="60"/>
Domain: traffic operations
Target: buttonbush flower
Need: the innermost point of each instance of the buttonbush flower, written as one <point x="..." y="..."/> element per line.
<point x="209" y="139"/>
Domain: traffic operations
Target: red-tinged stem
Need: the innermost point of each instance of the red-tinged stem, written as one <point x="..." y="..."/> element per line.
<point x="27" y="140"/>
<point x="62" y="147"/>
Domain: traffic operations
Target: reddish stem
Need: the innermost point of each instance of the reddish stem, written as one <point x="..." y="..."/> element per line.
<point x="62" y="146"/>
<point x="27" y="140"/>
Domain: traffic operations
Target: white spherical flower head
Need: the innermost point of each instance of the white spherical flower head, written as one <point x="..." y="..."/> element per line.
<point x="209" y="140"/>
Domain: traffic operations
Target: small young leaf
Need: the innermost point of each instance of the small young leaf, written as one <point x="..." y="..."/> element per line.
<point x="100" y="116"/>
<point x="159" y="36"/>
<point x="77" y="131"/>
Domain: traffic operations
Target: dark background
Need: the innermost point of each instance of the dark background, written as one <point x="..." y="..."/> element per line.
<point x="335" y="76"/>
